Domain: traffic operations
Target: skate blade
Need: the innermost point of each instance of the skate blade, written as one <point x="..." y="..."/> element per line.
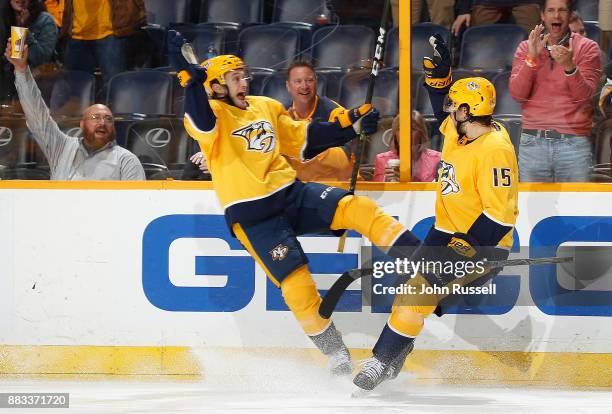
<point x="360" y="393"/>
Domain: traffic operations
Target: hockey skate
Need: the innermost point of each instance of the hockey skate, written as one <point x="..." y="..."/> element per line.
<point x="374" y="371"/>
<point x="330" y="343"/>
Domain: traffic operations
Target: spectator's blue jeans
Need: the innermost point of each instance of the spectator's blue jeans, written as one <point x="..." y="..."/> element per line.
<point x="554" y="159"/>
<point x="109" y="54"/>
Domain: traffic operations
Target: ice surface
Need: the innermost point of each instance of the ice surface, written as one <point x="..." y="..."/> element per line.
<point x="254" y="384"/>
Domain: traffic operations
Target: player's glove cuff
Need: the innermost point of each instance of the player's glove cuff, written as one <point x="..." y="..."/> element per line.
<point x="195" y="72"/>
<point x="438" y="69"/>
<point x="364" y="116"/>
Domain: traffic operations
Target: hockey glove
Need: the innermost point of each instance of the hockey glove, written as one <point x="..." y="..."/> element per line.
<point x="438" y="69"/>
<point x="185" y="71"/>
<point x="364" y="116"/>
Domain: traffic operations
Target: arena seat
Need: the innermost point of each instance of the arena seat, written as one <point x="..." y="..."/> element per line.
<point x="354" y="86"/>
<point x="332" y="78"/>
<point x="258" y="78"/>
<point x="160" y="144"/>
<point x="506" y="105"/>
<point x="230" y="32"/>
<point x="235" y="11"/>
<point x="392" y="49"/>
<point x="490" y="47"/>
<point x="67" y="92"/>
<point x="202" y="37"/>
<point x="15" y="143"/>
<point x="269" y="46"/>
<point x="420" y="35"/>
<point x="588" y="9"/>
<point x="593" y="31"/>
<point x="305" y="31"/>
<point x="274" y="87"/>
<point x="305" y="11"/>
<point x="144" y="92"/>
<point x="342" y="47"/>
<point x="164" y="12"/>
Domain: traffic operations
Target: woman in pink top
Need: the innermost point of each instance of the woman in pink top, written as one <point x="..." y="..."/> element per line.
<point x="424" y="160"/>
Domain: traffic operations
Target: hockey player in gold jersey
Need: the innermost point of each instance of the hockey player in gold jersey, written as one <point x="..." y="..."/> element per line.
<point x="244" y="139"/>
<point x="476" y="208"/>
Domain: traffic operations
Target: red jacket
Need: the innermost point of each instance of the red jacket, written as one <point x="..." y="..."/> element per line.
<point x="551" y="99"/>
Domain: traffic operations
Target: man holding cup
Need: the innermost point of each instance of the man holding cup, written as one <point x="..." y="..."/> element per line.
<point x="95" y="156"/>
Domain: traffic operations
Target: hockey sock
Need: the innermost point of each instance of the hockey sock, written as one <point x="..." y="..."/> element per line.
<point x="328" y="341"/>
<point x="366" y="217"/>
<point x="390" y="345"/>
<point x="302" y="297"/>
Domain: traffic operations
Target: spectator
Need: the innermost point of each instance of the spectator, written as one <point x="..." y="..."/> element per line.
<point x="98" y="33"/>
<point x="197" y="167"/>
<point x="41" y="40"/>
<point x="56" y="9"/>
<point x="95" y="156"/>
<point x="424" y="160"/>
<point x="555" y="82"/>
<point x="526" y="13"/>
<point x="441" y="12"/>
<point x="576" y="24"/>
<point x="335" y="163"/>
<point x="6" y="21"/>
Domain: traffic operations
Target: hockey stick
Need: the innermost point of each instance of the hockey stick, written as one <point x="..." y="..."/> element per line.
<point x="376" y="64"/>
<point x="328" y="305"/>
<point x="188" y="53"/>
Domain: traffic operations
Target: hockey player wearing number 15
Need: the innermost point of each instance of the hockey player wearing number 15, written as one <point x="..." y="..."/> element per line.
<point x="244" y="139"/>
<point x="476" y="208"/>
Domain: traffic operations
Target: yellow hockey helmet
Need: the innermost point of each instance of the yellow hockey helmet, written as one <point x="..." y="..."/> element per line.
<point x="478" y="93"/>
<point x="216" y="68"/>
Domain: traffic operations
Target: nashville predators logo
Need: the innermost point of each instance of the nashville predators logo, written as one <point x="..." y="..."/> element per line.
<point x="279" y="252"/>
<point x="448" y="180"/>
<point x="259" y="136"/>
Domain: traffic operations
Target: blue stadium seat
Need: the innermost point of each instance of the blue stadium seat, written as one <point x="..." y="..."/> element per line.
<point x="269" y="46"/>
<point x="490" y="47"/>
<point x="420" y="42"/>
<point x="354" y="86"/>
<point x="67" y="92"/>
<point x="258" y="78"/>
<point x="202" y="37"/>
<point x="146" y="92"/>
<point x="15" y="143"/>
<point x="164" y="12"/>
<point x="305" y="31"/>
<point x="392" y="49"/>
<point x="506" y="105"/>
<point x="588" y="9"/>
<point x="235" y="11"/>
<point x="342" y="47"/>
<point x="297" y="11"/>
<point x="230" y="32"/>
<point x="332" y="78"/>
<point x="160" y="144"/>
<point x="275" y="87"/>
<point x="593" y="31"/>
<point x="421" y="101"/>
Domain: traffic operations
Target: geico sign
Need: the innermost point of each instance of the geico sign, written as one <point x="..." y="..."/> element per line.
<point x="239" y="270"/>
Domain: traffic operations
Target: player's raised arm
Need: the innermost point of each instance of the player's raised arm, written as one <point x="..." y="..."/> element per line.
<point x="438" y="76"/>
<point x="200" y="119"/>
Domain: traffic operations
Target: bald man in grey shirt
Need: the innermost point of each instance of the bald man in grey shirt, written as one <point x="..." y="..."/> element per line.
<point x="95" y="156"/>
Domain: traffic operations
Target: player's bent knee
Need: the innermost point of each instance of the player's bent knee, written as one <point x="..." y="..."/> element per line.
<point x="409" y="320"/>
<point x="302" y="297"/>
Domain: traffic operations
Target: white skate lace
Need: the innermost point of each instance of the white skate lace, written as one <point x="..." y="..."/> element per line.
<point x="372" y="368"/>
